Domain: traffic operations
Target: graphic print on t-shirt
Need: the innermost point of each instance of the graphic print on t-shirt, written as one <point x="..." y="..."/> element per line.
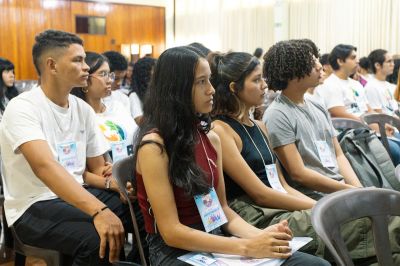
<point x="112" y="131"/>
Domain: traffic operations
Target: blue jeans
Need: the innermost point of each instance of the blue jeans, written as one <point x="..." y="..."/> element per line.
<point x="394" y="147"/>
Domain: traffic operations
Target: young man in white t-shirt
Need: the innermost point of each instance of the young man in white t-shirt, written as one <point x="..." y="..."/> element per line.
<point x="345" y="97"/>
<point x="48" y="138"/>
<point x="379" y="92"/>
<point x="341" y="95"/>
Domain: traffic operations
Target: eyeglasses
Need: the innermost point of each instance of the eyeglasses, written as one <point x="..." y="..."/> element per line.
<point x="105" y="75"/>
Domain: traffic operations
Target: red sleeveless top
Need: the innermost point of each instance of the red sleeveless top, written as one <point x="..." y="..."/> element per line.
<point x="187" y="210"/>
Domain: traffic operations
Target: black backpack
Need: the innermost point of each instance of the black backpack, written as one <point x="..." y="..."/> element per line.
<point x="369" y="158"/>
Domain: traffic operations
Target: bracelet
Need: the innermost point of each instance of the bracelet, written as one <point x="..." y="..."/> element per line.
<point x="107" y="183"/>
<point x="97" y="212"/>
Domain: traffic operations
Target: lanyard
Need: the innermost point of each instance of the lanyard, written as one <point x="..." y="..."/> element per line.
<point x="309" y="123"/>
<point x="208" y="159"/>
<point x="259" y="152"/>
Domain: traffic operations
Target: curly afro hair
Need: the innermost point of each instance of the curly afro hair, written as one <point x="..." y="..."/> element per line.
<point x="288" y="60"/>
<point x="141" y="76"/>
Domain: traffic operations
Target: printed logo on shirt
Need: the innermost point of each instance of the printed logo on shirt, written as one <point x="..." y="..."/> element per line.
<point x="112" y="131"/>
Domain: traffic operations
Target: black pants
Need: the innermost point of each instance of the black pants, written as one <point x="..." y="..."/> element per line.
<point x="55" y="224"/>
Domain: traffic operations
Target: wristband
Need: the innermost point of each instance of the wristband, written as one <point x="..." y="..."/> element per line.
<point x="97" y="212"/>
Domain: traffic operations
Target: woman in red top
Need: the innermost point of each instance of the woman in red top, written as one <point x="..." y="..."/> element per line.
<point x="179" y="159"/>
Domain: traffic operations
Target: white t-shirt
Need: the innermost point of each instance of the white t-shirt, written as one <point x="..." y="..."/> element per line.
<point x="338" y="92"/>
<point x="117" y="126"/>
<point x="117" y="97"/>
<point x="314" y="98"/>
<point x="68" y="132"/>
<point x="125" y="89"/>
<point x="380" y="95"/>
<point x="136" y="105"/>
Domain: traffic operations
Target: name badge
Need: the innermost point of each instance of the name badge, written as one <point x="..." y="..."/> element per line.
<point x="119" y="150"/>
<point x="273" y="178"/>
<point x="324" y="153"/>
<point x="68" y="155"/>
<point x="202" y="260"/>
<point x="210" y="210"/>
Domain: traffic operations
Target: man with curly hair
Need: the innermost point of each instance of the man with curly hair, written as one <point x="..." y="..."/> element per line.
<point x="300" y="130"/>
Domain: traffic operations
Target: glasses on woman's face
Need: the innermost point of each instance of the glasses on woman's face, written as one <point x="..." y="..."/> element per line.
<point x="105" y="75"/>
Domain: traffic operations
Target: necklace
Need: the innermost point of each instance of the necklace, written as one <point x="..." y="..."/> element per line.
<point x="266" y="144"/>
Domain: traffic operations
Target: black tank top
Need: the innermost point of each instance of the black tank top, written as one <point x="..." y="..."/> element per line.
<point x="249" y="153"/>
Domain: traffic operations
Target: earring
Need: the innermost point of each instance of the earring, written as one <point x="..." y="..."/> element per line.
<point x="85" y="90"/>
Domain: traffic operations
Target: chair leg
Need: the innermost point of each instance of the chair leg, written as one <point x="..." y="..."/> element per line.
<point x="19" y="259"/>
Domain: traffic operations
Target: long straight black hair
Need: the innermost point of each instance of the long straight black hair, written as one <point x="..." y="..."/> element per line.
<point x="169" y="109"/>
<point x="9" y="92"/>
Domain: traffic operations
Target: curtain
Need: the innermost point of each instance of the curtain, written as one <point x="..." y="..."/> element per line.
<point x="243" y="25"/>
<point x="366" y="24"/>
<point x="223" y="25"/>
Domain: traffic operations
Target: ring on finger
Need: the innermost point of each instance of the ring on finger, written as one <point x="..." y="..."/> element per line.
<point x="279" y="249"/>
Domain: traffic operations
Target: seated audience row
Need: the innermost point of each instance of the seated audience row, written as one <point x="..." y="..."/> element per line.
<point x="196" y="146"/>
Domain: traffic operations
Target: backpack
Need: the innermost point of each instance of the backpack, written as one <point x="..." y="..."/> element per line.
<point x="368" y="158"/>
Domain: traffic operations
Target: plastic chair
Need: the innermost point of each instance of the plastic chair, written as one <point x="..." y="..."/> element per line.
<point x="51" y="257"/>
<point x="123" y="172"/>
<point x="346" y="123"/>
<point x="381" y="120"/>
<point x="340" y="207"/>
<point x="124" y="263"/>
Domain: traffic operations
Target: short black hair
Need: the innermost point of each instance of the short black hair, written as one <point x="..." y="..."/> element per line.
<point x="51" y="39"/>
<point x="204" y="50"/>
<point x="376" y="56"/>
<point x="364" y="63"/>
<point x="287" y="60"/>
<point x="324" y="59"/>
<point x="117" y="61"/>
<point x="340" y="51"/>
<point x="258" y="52"/>
<point x="393" y="78"/>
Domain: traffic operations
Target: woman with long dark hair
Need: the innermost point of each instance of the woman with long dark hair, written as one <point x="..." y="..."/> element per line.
<point x="139" y="84"/>
<point x="7" y="87"/>
<point x="179" y="172"/>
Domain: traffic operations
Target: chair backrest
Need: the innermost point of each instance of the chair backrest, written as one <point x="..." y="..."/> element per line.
<point x="343" y="206"/>
<point x="346" y="123"/>
<point x="381" y="120"/>
<point x="123" y="172"/>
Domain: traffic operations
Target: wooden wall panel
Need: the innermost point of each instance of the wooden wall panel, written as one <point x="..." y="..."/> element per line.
<point x="35" y="19"/>
<point x="9" y="15"/>
<point x="21" y="21"/>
